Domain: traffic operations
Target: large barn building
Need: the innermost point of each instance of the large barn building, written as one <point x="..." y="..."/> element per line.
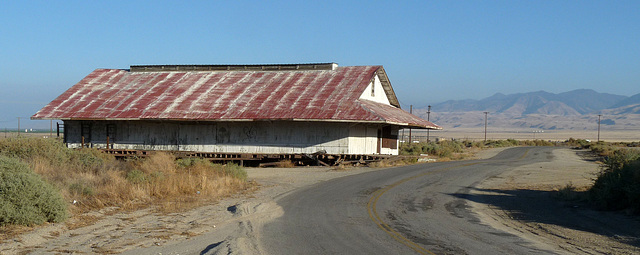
<point x="267" y="109"/>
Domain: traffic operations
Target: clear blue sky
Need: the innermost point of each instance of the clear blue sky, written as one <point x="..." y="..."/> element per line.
<point x="433" y="51"/>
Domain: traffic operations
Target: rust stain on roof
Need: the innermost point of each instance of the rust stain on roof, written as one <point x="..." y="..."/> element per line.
<point x="304" y="95"/>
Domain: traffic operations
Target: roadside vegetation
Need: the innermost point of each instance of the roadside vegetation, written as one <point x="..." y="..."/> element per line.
<point x="43" y="181"/>
<point x="460" y="149"/>
<point x="617" y="185"/>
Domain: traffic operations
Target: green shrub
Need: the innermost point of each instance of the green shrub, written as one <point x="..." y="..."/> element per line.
<point x="25" y="198"/>
<point x="81" y="188"/>
<point x="513" y="142"/>
<point x="187" y="162"/>
<point x="54" y="151"/>
<point x="497" y="143"/>
<point x="580" y="143"/>
<point x="410" y="149"/>
<point x="619" y="158"/>
<point x="472" y="144"/>
<point x="136" y="176"/>
<point x="618" y="189"/>
<point x="89" y="159"/>
<point x="28" y="147"/>
<point x="234" y="171"/>
<point x="568" y="193"/>
<point x="99" y="178"/>
<point x="443" y="149"/>
<point x="618" y="184"/>
<point x="13" y="165"/>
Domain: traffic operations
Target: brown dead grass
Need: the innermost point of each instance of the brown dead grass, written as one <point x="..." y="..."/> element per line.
<point x="81" y="221"/>
<point x="285" y="164"/>
<point x="342" y="167"/>
<point x="91" y="181"/>
<point x="12" y="231"/>
<point x="394" y="161"/>
<point x="157" y="180"/>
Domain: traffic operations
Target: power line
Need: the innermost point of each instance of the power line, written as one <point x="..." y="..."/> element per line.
<point x="485" y="126"/>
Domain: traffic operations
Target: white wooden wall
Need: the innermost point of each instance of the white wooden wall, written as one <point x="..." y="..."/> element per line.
<point x="375" y="92"/>
<point x="278" y="137"/>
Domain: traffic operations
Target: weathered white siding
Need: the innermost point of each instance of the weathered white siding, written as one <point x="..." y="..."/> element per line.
<point x="389" y="151"/>
<point x="363" y="139"/>
<point x="375" y="92"/>
<point x="231" y="137"/>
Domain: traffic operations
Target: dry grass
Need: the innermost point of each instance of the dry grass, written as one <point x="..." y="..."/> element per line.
<point x="285" y="164"/>
<point x="394" y="161"/>
<point x="12" y="231"/>
<point x="81" y="221"/>
<point x="154" y="180"/>
<point x="341" y="167"/>
<point x="90" y="180"/>
<point x="570" y="192"/>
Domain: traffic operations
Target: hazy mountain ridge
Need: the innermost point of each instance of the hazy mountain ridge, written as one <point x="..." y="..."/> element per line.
<point x="576" y="102"/>
<point x="540" y="110"/>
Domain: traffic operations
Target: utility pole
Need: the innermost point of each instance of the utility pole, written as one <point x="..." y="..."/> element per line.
<point x="18" y="126"/>
<point x="599" y="127"/>
<point x="410" y="111"/>
<point x="428" y="115"/>
<point x="485" y="126"/>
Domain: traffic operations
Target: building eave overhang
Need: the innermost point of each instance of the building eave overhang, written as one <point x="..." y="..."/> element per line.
<point x="402" y="125"/>
<point x="386" y="85"/>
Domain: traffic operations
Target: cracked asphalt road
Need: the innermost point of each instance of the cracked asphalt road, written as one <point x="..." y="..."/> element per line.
<point x="417" y="209"/>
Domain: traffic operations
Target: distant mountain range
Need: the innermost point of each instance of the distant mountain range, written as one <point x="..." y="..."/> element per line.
<point x="573" y="110"/>
<point x="576" y="102"/>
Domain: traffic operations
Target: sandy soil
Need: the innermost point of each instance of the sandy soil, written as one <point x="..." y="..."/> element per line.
<point x="231" y="226"/>
<point x="525" y="202"/>
<point x="149" y="232"/>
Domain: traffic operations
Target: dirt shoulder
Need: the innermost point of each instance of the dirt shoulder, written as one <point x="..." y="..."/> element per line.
<point x="525" y="202"/>
<point x="201" y="229"/>
<point x="519" y="201"/>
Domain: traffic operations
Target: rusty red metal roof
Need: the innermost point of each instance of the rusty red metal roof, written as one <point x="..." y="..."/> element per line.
<point x="301" y="95"/>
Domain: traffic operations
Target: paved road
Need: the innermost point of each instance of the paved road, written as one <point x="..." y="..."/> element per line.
<point x="418" y="209"/>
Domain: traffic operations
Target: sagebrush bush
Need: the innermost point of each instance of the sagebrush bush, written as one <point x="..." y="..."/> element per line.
<point x="618" y="158"/>
<point x="28" y="147"/>
<point x="25" y="198"/>
<point x="616" y="189"/>
<point x="54" y="152"/>
<point x="497" y="143"/>
<point x="442" y="149"/>
<point x="580" y="143"/>
<point x="89" y="159"/>
<point x="235" y="171"/>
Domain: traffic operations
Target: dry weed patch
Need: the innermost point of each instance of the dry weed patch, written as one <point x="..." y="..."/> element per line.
<point x="570" y="192"/>
<point x="89" y="180"/>
<point x="81" y="221"/>
<point x="394" y="161"/>
<point x="285" y="164"/>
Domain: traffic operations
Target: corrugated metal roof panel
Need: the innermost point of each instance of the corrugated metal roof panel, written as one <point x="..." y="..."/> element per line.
<point x="397" y="116"/>
<point x="330" y="95"/>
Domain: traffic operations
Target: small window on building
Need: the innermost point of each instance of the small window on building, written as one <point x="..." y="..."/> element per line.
<point x="373" y="89"/>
